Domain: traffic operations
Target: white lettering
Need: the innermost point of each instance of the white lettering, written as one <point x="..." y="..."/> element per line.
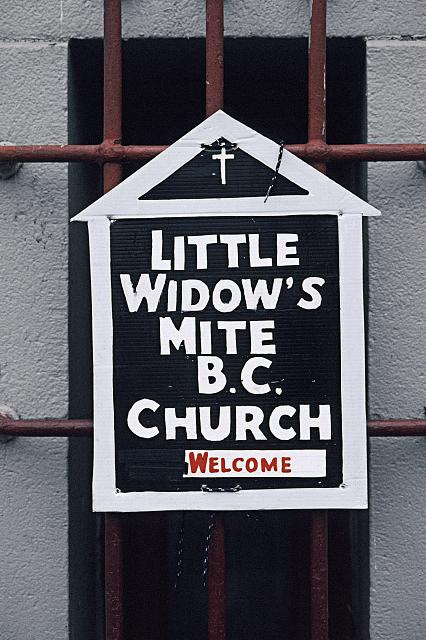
<point x="308" y="286"/>
<point x="184" y="335"/>
<point x="211" y="378"/>
<point x="235" y="298"/>
<point x="202" y="242"/>
<point x="135" y="424"/>
<point x="255" y="259"/>
<point x="157" y="261"/>
<point x="231" y="327"/>
<point x="277" y="430"/>
<point x="323" y="422"/>
<point x="144" y="290"/>
<point x="260" y="293"/>
<point x="233" y="240"/>
<point x="179" y="264"/>
<point x="223" y="429"/>
<point x="247" y="375"/>
<point x="259" y="335"/>
<point x="283" y="250"/>
<point x="188" y="422"/>
<point x="188" y="287"/>
<point x="243" y="424"/>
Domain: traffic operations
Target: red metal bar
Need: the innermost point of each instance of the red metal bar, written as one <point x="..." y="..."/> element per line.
<point x="316" y="71"/>
<point x="109" y="152"/>
<point x="98" y="153"/>
<point x="216" y="581"/>
<point x="362" y="152"/>
<point x="45" y="428"/>
<point x="319" y="575"/>
<point x="112" y="87"/>
<point x="69" y="428"/>
<point x="214" y="101"/>
<point x="114" y="576"/>
<point x="112" y="71"/>
<point x="112" y="174"/>
<point x="214" y="56"/>
<point x="316" y="139"/>
<point x="396" y="428"/>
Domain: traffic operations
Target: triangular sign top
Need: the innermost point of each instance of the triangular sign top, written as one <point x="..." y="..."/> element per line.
<point x="222" y="170"/>
<point x="223" y="166"/>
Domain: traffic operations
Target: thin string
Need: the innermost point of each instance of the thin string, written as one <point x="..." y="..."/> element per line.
<point x="206" y="489"/>
<point x="277" y="168"/>
<point x="207" y="547"/>
<point x="180" y="551"/>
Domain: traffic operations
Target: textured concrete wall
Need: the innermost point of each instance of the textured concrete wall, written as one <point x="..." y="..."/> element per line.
<point x="33" y="347"/>
<point x="55" y="19"/>
<point x="33" y="288"/>
<point x="396" y="96"/>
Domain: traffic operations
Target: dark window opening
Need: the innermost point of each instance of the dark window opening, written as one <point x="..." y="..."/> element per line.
<point x="267" y="588"/>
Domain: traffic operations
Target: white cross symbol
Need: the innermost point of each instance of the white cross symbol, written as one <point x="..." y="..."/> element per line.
<point x="223" y="157"/>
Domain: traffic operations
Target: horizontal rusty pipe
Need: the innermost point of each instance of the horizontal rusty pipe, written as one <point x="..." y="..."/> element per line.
<point x="360" y="152"/>
<point x="51" y="427"/>
<point x="105" y="152"/>
<point x="41" y="428"/>
<point x="110" y="152"/>
<point x="391" y="428"/>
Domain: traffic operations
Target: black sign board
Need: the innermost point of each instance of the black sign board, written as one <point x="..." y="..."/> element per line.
<point x="226" y="358"/>
<point x="228" y="338"/>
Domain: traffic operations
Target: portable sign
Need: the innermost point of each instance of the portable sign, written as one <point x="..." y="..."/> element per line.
<point x="228" y="336"/>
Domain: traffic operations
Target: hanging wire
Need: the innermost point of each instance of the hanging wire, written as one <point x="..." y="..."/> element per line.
<point x="277" y="168"/>
<point x="180" y="551"/>
<point x="207" y="548"/>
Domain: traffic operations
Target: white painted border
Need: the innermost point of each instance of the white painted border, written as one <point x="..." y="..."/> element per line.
<point x="194" y="212"/>
<point x="352" y="342"/>
<point x="102" y="331"/>
<point x="352" y="494"/>
<point x="324" y="194"/>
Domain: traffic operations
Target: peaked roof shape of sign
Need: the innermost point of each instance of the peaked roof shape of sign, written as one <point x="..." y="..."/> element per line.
<point x="127" y="200"/>
<point x="222" y="170"/>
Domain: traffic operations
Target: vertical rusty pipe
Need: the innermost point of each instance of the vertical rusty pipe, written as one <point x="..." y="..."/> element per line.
<point x="216" y="581"/>
<point x="112" y="87"/>
<point x="316" y="75"/>
<point x="214" y="56"/>
<point x="214" y="101"/>
<point x="316" y="71"/>
<point x="112" y="175"/>
<point x="114" y="577"/>
<point x="317" y="133"/>
<point x="319" y="575"/>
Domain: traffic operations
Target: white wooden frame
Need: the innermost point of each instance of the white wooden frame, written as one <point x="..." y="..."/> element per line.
<point x="325" y="197"/>
<point x="352" y="494"/>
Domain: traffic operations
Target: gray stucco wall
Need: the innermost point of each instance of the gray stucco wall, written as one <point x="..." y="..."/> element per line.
<point x="33" y="346"/>
<point x="397" y="349"/>
<point x="33" y="289"/>
<point x="63" y="19"/>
